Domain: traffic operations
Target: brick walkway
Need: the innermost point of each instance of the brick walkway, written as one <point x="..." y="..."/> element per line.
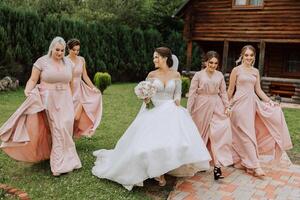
<point x="14" y="192"/>
<point x="281" y="183"/>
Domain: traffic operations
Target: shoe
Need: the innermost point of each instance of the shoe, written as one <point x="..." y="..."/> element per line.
<point x="258" y="172"/>
<point x="218" y="173"/>
<point x="161" y="180"/>
<point x="56" y="174"/>
<point x="239" y="166"/>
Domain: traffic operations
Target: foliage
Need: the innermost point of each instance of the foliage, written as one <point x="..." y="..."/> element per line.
<point x="102" y="80"/>
<point x="185" y="85"/>
<point x="115" y="44"/>
<point x="161" y="16"/>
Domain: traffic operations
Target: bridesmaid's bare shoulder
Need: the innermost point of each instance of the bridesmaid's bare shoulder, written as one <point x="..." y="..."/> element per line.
<point x="235" y="69"/>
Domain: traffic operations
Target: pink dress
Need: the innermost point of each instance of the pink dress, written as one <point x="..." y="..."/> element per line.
<point x="257" y="128"/>
<point x="42" y="127"/>
<point x="90" y="100"/>
<point x="207" y="102"/>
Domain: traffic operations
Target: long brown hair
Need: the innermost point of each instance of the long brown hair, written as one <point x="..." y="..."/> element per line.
<point x="72" y="43"/>
<point x="209" y="55"/>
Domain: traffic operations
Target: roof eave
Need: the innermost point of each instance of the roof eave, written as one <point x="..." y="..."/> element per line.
<point x="178" y="13"/>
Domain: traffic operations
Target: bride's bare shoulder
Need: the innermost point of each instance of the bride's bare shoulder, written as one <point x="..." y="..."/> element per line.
<point x="152" y="74"/>
<point x="176" y="74"/>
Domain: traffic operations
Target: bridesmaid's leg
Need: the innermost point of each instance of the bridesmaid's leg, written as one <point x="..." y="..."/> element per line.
<point x="78" y="112"/>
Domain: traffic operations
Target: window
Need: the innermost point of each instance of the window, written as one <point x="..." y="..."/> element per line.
<point x="293" y="62"/>
<point x="247" y="3"/>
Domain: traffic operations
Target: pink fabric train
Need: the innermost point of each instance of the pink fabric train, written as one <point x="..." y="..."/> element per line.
<point x="90" y="100"/>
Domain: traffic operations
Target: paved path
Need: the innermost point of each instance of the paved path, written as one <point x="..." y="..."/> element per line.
<point x="281" y="183"/>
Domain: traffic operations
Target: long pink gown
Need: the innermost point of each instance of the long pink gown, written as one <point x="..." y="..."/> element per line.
<point x="90" y="100"/>
<point x="42" y="127"/>
<point x="207" y="102"/>
<point x="257" y="128"/>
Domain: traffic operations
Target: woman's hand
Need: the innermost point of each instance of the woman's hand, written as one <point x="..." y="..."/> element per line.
<point x="147" y="100"/>
<point x="96" y="90"/>
<point x="272" y="103"/>
<point x="27" y="93"/>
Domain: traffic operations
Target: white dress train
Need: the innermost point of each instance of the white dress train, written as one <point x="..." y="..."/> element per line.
<point x="161" y="140"/>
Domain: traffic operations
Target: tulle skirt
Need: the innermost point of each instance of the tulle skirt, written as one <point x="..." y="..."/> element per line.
<point x="161" y="140"/>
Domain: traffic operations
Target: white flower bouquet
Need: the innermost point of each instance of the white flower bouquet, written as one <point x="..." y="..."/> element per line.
<point x="145" y="90"/>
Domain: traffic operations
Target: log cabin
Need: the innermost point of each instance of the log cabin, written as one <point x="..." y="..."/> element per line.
<point x="271" y="26"/>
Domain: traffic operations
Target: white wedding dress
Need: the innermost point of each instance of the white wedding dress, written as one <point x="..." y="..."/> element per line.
<point x="161" y="140"/>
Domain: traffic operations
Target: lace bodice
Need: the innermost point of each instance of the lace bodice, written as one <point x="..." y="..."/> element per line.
<point x="170" y="91"/>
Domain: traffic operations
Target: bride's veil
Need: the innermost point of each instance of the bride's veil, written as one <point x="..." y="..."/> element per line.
<point x="175" y="62"/>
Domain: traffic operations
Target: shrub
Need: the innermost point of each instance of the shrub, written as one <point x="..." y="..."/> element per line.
<point x="102" y="80"/>
<point x="185" y="84"/>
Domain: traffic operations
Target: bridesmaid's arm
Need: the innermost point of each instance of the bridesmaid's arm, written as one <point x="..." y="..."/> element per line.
<point x="72" y="83"/>
<point x="258" y="89"/>
<point x="177" y="93"/>
<point x="224" y="97"/>
<point x="232" y="81"/>
<point x="192" y="93"/>
<point x="223" y="93"/>
<point x="87" y="80"/>
<point x="34" y="77"/>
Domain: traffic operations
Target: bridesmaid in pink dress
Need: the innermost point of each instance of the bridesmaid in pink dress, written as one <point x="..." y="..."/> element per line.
<point x="87" y="98"/>
<point x="42" y="127"/>
<point x="209" y="106"/>
<point x="258" y="124"/>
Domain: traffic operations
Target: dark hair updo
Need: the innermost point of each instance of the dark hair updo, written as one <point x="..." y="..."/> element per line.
<point x="165" y="52"/>
<point x="72" y="43"/>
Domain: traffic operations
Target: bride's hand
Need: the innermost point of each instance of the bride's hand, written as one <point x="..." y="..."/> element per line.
<point x="147" y="100"/>
<point x="177" y="102"/>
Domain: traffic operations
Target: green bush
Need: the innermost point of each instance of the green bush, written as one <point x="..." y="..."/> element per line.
<point x="102" y="80"/>
<point x="185" y="84"/>
<point x="122" y="51"/>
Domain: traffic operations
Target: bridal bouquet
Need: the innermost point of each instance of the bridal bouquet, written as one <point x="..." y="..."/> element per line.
<point x="145" y="90"/>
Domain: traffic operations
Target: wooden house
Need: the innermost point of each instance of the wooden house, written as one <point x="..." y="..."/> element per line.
<point x="271" y="26"/>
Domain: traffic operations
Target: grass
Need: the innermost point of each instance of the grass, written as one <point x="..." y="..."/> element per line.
<point x="120" y="108"/>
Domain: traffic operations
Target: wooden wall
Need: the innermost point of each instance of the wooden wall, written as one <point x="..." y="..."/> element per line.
<point x="217" y="20"/>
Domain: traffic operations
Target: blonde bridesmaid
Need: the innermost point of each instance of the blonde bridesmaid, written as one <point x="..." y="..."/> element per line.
<point x="42" y="127"/>
<point x="86" y="97"/>
<point x="258" y="124"/>
<point x="209" y="106"/>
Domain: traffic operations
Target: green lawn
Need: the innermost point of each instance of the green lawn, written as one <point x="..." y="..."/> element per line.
<point x="120" y="108"/>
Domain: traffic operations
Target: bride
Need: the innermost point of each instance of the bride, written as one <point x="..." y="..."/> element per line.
<point x="161" y="140"/>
